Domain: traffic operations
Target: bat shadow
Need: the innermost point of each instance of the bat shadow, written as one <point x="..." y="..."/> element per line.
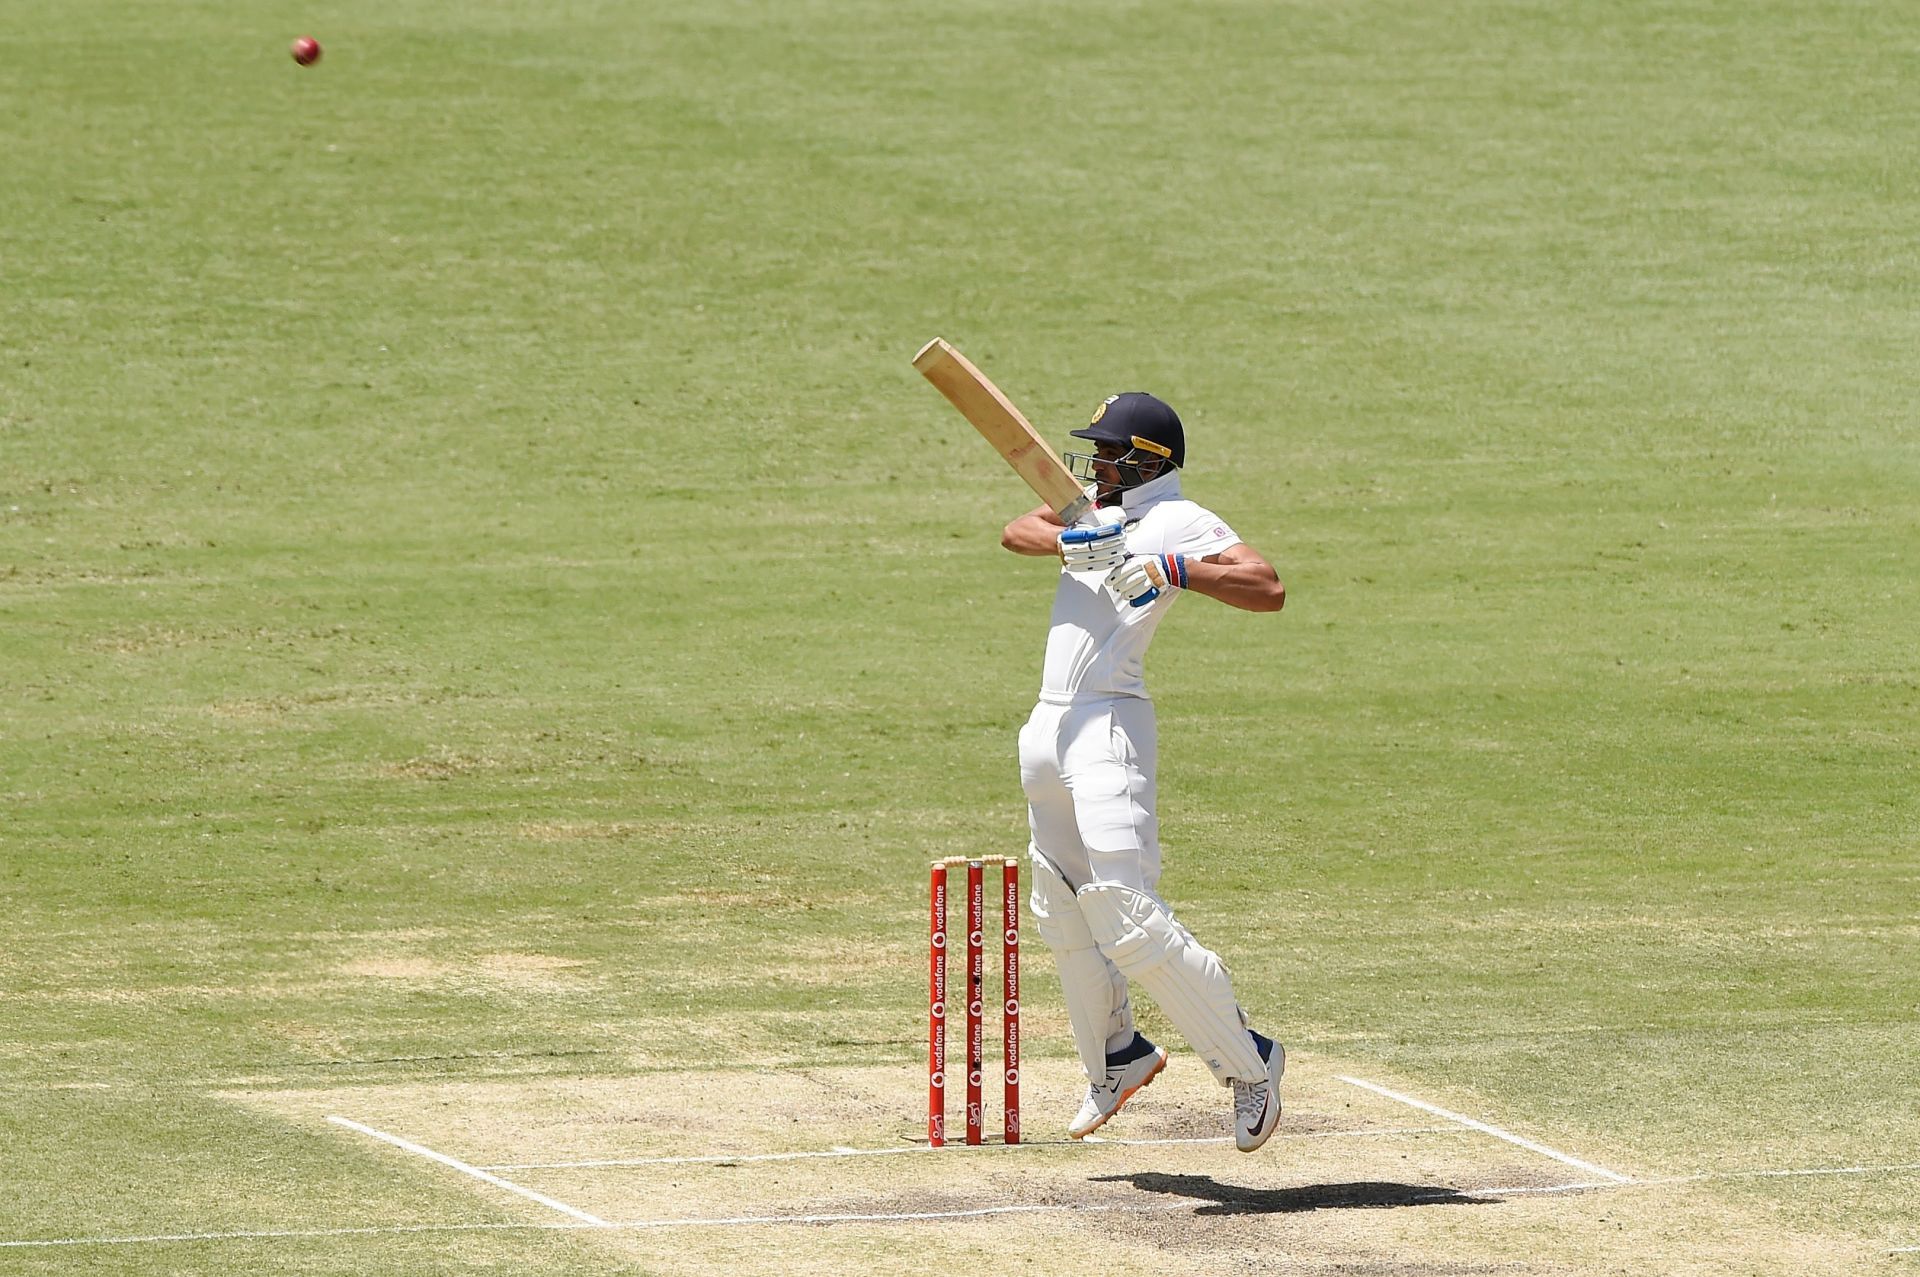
<point x="1233" y="1199"/>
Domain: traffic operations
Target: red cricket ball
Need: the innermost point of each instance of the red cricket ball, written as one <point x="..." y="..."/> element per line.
<point x="306" y="50"/>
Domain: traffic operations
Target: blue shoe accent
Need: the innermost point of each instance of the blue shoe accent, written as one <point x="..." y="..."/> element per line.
<point x="1133" y="1051"/>
<point x="1128" y="1069"/>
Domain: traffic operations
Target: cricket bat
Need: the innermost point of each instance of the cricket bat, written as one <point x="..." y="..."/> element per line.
<point x="1001" y="424"/>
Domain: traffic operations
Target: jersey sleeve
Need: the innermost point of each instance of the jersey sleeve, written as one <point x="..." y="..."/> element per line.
<point x="1201" y="532"/>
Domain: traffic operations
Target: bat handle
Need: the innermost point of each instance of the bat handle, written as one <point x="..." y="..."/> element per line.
<point x="1077" y="509"/>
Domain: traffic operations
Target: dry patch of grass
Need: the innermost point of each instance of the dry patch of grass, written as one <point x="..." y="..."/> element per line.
<point x="712" y="897"/>
<point x="570" y="830"/>
<point x="398" y="968"/>
<point x="249" y="711"/>
<point x="146" y="638"/>
<point x="440" y="765"/>
<point x="852" y="963"/>
<point x="511" y="970"/>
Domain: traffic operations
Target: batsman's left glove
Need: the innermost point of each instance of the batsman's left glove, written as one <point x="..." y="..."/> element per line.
<point x="1140" y="580"/>
<point x="1100" y="549"/>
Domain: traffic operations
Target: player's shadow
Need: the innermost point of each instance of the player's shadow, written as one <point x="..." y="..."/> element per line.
<point x="1232" y="1199"/>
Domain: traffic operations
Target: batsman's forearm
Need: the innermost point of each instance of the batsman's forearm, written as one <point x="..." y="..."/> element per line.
<point x="1037" y="534"/>
<point x="1253" y="587"/>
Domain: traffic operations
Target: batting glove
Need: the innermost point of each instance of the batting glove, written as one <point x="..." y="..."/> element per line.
<point x="1140" y="580"/>
<point x="1100" y="549"/>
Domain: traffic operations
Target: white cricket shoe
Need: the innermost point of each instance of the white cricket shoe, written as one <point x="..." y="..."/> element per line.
<point x="1256" y="1104"/>
<point x="1128" y="1069"/>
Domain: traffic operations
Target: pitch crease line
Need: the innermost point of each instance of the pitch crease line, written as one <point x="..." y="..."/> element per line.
<point x="1829" y="1170"/>
<point x="458" y="1165"/>
<point x="1028" y="1209"/>
<point x="737" y="1158"/>
<point x="630" y="1225"/>
<point x="371" y="1230"/>
<point x="1487" y="1129"/>
<point x="1515" y="1190"/>
<point x="1037" y="1208"/>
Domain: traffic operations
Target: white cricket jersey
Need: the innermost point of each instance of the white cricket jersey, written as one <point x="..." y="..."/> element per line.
<point x="1097" y="646"/>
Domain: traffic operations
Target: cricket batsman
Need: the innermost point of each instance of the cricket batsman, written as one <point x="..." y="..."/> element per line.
<point x="1087" y="762"/>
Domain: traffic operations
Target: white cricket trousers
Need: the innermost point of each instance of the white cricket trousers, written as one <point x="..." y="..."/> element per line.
<point x="1088" y="770"/>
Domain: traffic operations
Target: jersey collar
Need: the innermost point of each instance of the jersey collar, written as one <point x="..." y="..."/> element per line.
<point x="1137" y="501"/>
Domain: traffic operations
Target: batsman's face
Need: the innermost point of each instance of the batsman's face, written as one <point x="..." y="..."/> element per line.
<point x="1106" y="468"/>
<point x="1114" y="467"/>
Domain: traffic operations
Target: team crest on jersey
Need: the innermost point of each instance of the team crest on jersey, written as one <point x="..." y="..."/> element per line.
<point x="1101" y="411"/>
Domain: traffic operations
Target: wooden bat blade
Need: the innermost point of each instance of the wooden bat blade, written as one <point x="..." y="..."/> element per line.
<point x="1003" y="426"/>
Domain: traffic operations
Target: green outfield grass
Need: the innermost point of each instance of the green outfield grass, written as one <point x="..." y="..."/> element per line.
<point x="483" y="595"/>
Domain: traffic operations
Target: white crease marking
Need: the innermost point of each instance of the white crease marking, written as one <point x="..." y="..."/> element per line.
<point x="458" y="1165"/>
<point x="1488" y="1129"/>
<point x="727" y="1159"/>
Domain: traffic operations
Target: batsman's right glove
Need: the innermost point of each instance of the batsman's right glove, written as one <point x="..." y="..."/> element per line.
<point x="1100" y="549"/>
<point x="1139" y="581"/>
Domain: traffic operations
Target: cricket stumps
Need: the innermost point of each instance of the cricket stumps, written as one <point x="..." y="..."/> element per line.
<point x="976" y="999"/>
